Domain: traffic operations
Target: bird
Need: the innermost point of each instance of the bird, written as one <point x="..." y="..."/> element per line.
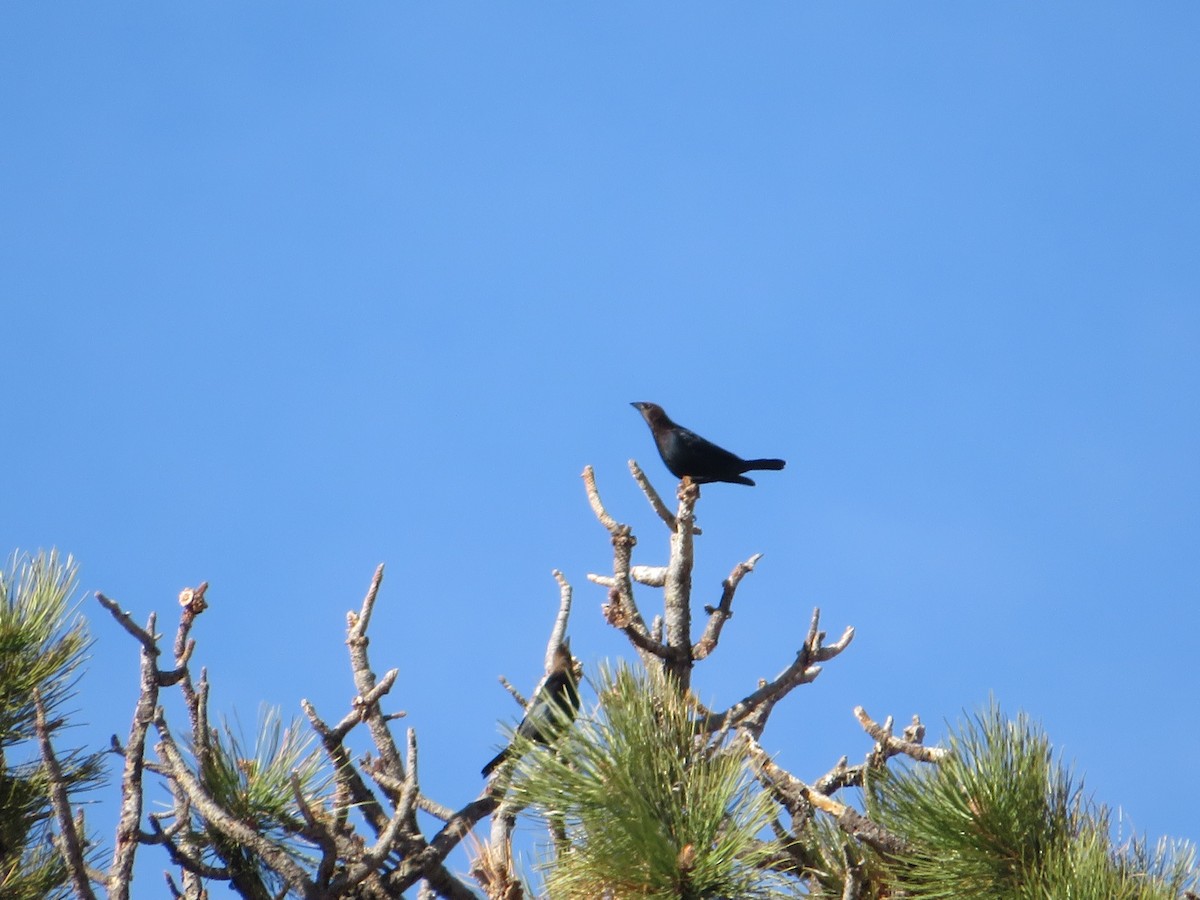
<point x="685" y="453"/>
<point x="552" y="709"/>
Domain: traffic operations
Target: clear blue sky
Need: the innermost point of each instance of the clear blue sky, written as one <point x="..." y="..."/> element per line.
<point x="293" y="289"/>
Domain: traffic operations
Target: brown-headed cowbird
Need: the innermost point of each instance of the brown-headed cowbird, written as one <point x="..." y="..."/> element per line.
<point x="552" y="709"/>
<point x="686" y="453"/>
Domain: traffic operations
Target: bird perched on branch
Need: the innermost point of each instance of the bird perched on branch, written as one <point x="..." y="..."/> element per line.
<point x="686" y="453"/>
<point x="552" y="709"/>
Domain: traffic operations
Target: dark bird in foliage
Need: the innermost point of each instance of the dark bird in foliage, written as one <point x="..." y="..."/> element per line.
<point x="686" y="453"/>
<point x="552" y="709"/>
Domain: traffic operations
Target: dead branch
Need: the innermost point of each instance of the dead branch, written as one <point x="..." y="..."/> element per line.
<point x="145" y="636"/>
<point x="364" y="678"/>
<point x="559" y="632"/>
<point x="120" y="873"/>
<point x="621" y="610"/>
<point x="722" y="612"/>
<point x="70" y="837"/>
<point x="351" y="790"/>
<point x="651" y="576"/>
<point x="803" y="670"/>
<point x="888" y="745"/>
<point x="796" y="795"/>
<point x="677" y="591"/>
<point x="593" y="495"/>
<point x="494" y="860"/>
<point x="656" y="502"/>
<point x="512" y="690"/>
<point x="270" y="853"/>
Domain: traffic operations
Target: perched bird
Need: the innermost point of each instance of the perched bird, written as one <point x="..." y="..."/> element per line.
<point x="543" y="722"/>
<point x="686" y="453"/>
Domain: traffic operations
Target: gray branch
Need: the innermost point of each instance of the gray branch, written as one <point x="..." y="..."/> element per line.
<point x="70" y="836"/>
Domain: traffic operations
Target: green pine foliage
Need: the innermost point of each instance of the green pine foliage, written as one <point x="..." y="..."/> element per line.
<point x="254" y="785"/>
<point x="41" y="649"/>
<point x="643" y="807"/>
<point x="827" y="853"/>
<point x="639" y="802"/>
<point x="1000" y="818"/>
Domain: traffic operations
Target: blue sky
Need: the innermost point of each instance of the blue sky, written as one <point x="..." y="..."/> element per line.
<point x="292" y="290"/>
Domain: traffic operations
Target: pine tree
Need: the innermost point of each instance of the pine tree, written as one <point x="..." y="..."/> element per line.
<point x="41" y="650"/>
<point x="646" y="793"/>
<point x="646" y="805"/>
<point x="1001" y="818"/>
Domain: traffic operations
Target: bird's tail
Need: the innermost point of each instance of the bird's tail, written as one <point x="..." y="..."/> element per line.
<point x="495" y="761"/>
<point x="764" y="464"/>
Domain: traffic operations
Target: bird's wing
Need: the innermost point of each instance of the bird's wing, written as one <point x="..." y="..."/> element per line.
<point x="704" y="452"/>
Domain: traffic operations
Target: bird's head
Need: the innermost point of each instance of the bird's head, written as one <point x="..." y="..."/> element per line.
<point x="651" y="412"/>
<point x="562" y="661"/>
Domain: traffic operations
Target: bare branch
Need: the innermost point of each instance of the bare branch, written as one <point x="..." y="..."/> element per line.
<point x="184" y="841"/>
<point x="794" y="793"/>
<point x="352" y="790"/>
<point x="840" y="776"/>
<point x="752" y="711"/>
<point x="446" y="885"/>
<point x="650" y="647"/>
<point x="853" y="887"/>
<point x="120" y="876"/>
<point x="516" y="694"/>
<point x="887" y="744"/>
<point x="651" y="576"/>
<point x="871" y="833"/>
<point x="379" y="775"/>
<point x="408" y="797"/>
<point x="392" y="834"/>
<point x="317" y="830"/>
<point x="677" y="590"/>
<point x="339" y="731"/>
<point x="722" y="612"/>
<point x="70" y="838"/>
<point x="183" y="858"/>
<point x="364" y="703"/>
<point x="656" y="502"/>
<point x="559" y="632"/>
<point x="144" y="636"/>
<point x="270" y="853"/>
<point x="372" y="859"/>
<point x="492" y="867"/>
<point x="437" y="810"/>
<point x="364" y="679"/>
<point x="193" y="601"/>
<point x="397" y="836"/>
<point x="362" y="620"/>
<point x="593" y="494"/>
<point x="621" y="609"/>
<point x="829" y="651"/>
<point x="426" y="862"/>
